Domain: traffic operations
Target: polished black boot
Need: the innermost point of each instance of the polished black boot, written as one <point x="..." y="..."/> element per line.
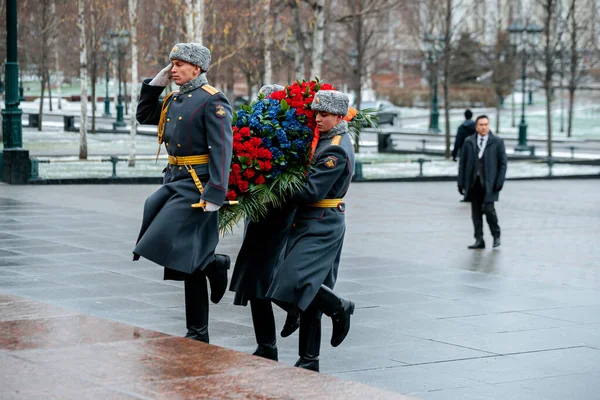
<point x="309" y="342"/>
<point x="268" y="351"/>
<point x="496" y="242"/>
<point x="292" y="322"/>
<point x="216" y="272"/>
<point x="338" y="309"/>
<point x="196" y="308"/>
<point x="479" y="244"/>
<point x="264" y="329"/>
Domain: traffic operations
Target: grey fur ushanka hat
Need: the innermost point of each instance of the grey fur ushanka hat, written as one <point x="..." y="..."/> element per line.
<point x="331" y="101"/>
<point x="192" y="53"/>
<point x="268" y="89"/>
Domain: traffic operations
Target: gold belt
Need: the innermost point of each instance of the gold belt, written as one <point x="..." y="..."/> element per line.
<point x="188" y="160"/>
<point x="328" y="203"/>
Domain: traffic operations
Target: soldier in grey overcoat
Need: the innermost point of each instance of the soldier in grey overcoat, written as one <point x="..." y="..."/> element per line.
<point x="262" y="247"/>
<point x="481" y="177"/>
<point x="307" y="275"/>
<point x="195" y="127"/>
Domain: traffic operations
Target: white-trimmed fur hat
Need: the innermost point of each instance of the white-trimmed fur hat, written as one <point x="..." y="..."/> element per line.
<point x="193" y="53"/>
<point x="331" y="101"/>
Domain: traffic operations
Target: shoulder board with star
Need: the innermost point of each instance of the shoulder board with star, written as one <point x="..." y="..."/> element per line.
<point x="211" y="90"/>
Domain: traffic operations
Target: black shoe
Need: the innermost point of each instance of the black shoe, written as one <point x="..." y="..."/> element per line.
<point x="311" y="364"/>
<point x="292" y="322"/>
<point x="497" y="242"/>
<point x="268" y="351"/>
<point x="479" y="244"/>
<point x="341" y="322"/>
<point x="199" y="333"/>
<point x="216" y="272"/>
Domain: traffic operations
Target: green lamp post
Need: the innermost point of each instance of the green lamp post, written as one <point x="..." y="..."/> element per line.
<point x="433" y="49"/>
<point x="120" y="39"/>
<point x="523" y="39"/>
<point x="105" y="49"/>
<point x="15" y="160"/>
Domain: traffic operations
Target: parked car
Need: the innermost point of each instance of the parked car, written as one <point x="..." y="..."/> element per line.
<point x="386" y="111"/>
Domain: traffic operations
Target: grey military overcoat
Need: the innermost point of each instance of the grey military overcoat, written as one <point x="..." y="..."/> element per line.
<point x="315" y="243"/>
<point x="262" y="248"/>
<point x="494" y="161"/>
<point x="173" y="234"/>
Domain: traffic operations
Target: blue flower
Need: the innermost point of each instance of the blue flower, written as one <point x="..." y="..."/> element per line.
<point x="276" y="153"/>
<point x="266" y="142"/>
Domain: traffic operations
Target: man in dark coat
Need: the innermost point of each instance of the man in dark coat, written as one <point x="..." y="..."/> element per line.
<point x="308" y="272"/>
<point x="481" y="177"/>
<point x="263" y="244"/>
<point x="195" y="127"/>
<point x="465" y="130"/>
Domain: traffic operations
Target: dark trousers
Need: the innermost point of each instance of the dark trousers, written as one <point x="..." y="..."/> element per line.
<point x="263" y="321"/>
<point x="478" y="208"/>
<point x="196" y="302"/>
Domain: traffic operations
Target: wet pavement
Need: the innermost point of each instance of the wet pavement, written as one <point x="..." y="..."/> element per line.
<point x="54" y="353"/>
<point x="433" y="319"/>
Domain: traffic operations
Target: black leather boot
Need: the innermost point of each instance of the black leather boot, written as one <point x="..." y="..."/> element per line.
<point x="264" y="329"/>
<point x="216" y="272"/>
<point x="479" y="244"/>
<point x="309" y="343"/>
<point x="199" y="333"/>
<point x="497" y="242"/>
<point x="196" y="308"/>
<point x="268" y="351"/>
<point x="338" y="309"/>
<point x="292" y="322"/>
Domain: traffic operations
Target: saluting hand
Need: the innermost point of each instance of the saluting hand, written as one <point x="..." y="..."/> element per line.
<point x="210" y="207"/>
<point x="163" y="77"/>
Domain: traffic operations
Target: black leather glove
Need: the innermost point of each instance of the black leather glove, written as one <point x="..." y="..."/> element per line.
<point x="460" y="190"/>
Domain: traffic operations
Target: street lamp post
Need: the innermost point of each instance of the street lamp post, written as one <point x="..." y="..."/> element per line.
<point x="432" y="47"/>
<point x="521" y="37"/>
<point x="105" y="48"/>
<point x="15" y="160"/>
<point x="119" y="40"/>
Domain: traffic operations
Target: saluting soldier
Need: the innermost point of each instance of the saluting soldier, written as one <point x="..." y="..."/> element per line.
<point x="305" y="279"/>
<point x="262" y="247"/>
<point x="194" y="124"/>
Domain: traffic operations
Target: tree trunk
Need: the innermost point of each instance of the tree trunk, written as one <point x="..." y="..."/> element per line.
<point x="93" y="82"/>
<point x="549" y="116"/>
<point x="59" y="79"/>
<point x="571" y="106"/>
<point x="447" y="49"/>
<point x="41" y="111"/>
<point x="318" y="40"/>
<point x="189" y="20"/>
<point x="83" y="78"/>
<point x="133" y="20"/>
<point x="198" y="14"/>
<point x="300" y="55"/>
<point x="497" y="118"/>
<point x="249" y="83"/>
<point x="360" y="53"/>
<point x="268" y="37"/>
<point x="49" y="89"/>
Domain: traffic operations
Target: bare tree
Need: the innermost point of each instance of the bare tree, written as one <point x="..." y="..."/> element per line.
<point x="318" y="39"/>
<point x="299" y="38"/>
<point x="83" y="78"/>
<point x="554" y="27"/>
<point x="268" y="37"/>
<point x="194" y="20"/>
<point x="133" y="22"/>
<point x="580" y="37"/>
<point x="55" y="45"/>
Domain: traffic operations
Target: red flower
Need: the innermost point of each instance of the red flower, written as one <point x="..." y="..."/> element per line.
<point x="249" y="173"/>
<point x="245" y="131"/>
<point x="231" y="195"/>
<point x="243" y="185"/>
<point x="260" y="180"/>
